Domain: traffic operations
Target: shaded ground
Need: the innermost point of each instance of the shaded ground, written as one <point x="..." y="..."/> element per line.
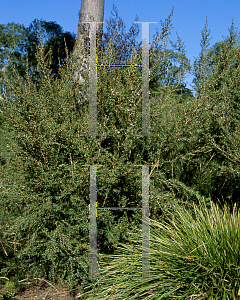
<point x="36" y="290"/>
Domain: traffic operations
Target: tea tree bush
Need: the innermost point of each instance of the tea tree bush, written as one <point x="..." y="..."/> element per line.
<point x="52" y="154"/>
<point x="52" y="236"/>
<point x="220" y="95"/>
<point x="54" y="186"/>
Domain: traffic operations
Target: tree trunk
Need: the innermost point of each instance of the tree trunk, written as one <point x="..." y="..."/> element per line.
<point x="91" y="10"/>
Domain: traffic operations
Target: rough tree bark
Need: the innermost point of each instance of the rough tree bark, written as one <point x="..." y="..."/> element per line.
<point x="91" y="10"/>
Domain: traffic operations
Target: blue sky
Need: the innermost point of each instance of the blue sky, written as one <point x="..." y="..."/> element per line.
<point x="188" y="17"/>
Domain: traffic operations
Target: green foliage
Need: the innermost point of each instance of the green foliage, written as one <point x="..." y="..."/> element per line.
<point x="53" y="38"/>
<point x="51" y="152"/>
<point x="12" y="42"/>
<point x="191" y="256"/>
<point x="123" y="43"/>
<point x="220" y="95"/>
<point x="8" y="290"/>
<point x="201" y="64"/>
<point x="17" y="41"/>
<point x="45" y="194"/>
<point x="168" y="66"/>
<point x="209" y="58"/>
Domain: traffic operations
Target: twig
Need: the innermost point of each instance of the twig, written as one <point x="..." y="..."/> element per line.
<point x="48" y="283"/>
<point x="3" y="248"/>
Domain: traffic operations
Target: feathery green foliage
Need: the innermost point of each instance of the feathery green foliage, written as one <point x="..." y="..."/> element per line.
<point x="45" y="188"/>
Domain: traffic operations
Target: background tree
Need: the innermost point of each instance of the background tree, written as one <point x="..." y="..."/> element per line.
<point x="168" y="67"/>
<point x="171" y="63"/>
<point x="18" y="42"/>
<point x="209" y="58"/>
<point x="201" y="64"/>
<point x="54" y="38"/>
<point x="219" y="94"/>
<point x="12" y="43"/>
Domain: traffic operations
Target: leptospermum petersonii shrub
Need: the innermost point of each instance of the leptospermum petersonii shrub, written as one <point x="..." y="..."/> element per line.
<point x="52" y="190"/>
<point x="45" y="180"/>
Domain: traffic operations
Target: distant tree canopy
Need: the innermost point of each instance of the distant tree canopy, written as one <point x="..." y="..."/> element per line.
<point x="168" y="66"/>
<point x="18" y="42"/>
<point x="210" y="58"/>
<point x="53" y="39"/>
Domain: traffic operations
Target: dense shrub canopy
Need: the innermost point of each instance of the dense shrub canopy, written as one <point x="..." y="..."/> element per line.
<point x="46" y="188"/>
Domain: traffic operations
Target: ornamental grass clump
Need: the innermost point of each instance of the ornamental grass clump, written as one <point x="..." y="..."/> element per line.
<point x="191" y="257"/>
